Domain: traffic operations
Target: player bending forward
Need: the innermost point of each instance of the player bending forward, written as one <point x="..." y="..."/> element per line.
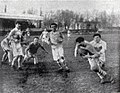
<point x="31" y="50"/>
<point x="56" y="40"/>
<point x="87" y="51"/>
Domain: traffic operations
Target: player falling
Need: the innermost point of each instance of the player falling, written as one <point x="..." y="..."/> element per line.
<point x="88" y="52"/>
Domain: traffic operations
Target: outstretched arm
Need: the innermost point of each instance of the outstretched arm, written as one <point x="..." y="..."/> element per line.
<point x="43" y="48"/>
<point x="76" y="49"/>
<point x="10" y="34"/>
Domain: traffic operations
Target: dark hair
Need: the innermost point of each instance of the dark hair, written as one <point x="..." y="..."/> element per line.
<point x="36" y="37"/>
<point x="97" y="34"/>
<point x="53" y="24"/>
<point x="17" y="22"/>
<point x="79" y="39"/>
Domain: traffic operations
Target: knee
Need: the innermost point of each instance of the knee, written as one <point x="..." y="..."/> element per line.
<point x="94" y="68"/>
<point x="62" y="59"/>
<point x="25" y="57"/>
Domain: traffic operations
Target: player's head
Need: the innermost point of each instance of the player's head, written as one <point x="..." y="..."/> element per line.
<point x="79" y="40"/>
<point x="97" y="37"/>
<point x="18" y="24"/>
<point x="53" y="26"/>
<point x="36" y="40"/>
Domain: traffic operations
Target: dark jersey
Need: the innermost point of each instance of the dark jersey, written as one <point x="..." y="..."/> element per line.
<point x="34" y="47"/>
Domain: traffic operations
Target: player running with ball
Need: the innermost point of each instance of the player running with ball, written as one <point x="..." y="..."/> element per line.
<point x="56" y="40"/>
<point x="88" y="52"/>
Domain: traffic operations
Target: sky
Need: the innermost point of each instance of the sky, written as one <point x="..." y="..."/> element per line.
<point x="18" y="6"/>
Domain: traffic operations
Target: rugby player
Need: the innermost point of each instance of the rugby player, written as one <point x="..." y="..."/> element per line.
<point x="88" y="52"/>
<point x="15" y="38"/>
<point x="100" y="46"/>
<point x="31" y="50"/>
<point x="44" y="37"/>
<point x="56" y="40"/>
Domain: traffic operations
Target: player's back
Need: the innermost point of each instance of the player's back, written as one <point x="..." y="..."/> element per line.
<point x="4" y="42"/>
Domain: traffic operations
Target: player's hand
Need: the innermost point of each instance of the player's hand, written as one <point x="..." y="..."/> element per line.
<point x="87" y="56"/>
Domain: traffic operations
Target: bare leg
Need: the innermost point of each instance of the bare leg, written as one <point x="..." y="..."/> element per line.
<point x="9" y="57"/>
<point x="13" y="61"/>
<point x="4" y="57"/>
<point x="35" y="60"/>
<point x="19" y="61"/>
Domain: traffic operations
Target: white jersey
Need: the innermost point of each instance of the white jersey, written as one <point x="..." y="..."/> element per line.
<point x="15" y="35"/>
<point x="44" y="34"/>
<point x="44" y="37"/>
<point x="55" y="38"/>
<point x="16" y="42"/>
<point x="100" y="47"/>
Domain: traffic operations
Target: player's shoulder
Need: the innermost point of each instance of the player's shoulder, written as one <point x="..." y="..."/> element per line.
<point x="102" y="41"/>
<point x="31" y="43"/>
<point x="13" y="29"/>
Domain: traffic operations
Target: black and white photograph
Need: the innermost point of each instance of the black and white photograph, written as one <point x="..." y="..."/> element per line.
<point x="59" y="46"/>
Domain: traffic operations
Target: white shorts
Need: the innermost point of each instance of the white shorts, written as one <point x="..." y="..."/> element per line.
<point x="57" y="52"/>
<point x="16" y="49"/>
<point x="102" y="57"/>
